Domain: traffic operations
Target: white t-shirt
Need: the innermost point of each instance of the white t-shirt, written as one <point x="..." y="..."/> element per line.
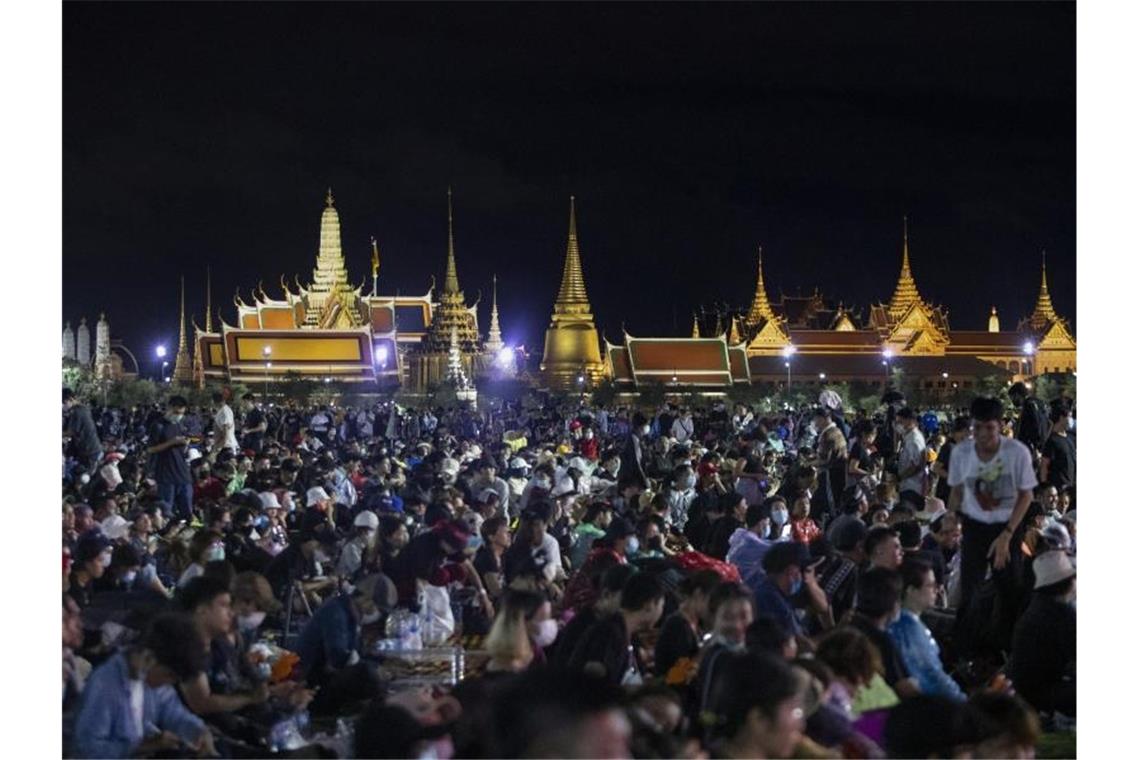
<point x="224" y="420"/>
<point x="994" y="483"/>
<point x="913" y="452"/>
<point x="138" y="695"/>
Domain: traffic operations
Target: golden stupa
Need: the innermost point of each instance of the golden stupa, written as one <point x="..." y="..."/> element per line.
<point x="572" y="347"/>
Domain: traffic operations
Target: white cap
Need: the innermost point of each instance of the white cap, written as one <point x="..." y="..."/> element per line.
<point x="1052" y="567"/>
<point x="115" y="527"/>
<point x="315" y="496"/>
<point x="367" y="519"/>
<point x="518" y="463"/>
<point x="449" y="466"/>
<point x="195" y="455"/>
<point x="579" y="464"/>
<point x="268" y="500"/>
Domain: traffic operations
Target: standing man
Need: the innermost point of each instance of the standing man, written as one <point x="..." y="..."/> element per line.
<point x="168" y="459"/>
<point x="831" y="453"/>
<point x="1059" y="454"/>
<point x="912" y="453"/>
<point x="224" y="435"/>
<point x="1032" y="426"/>
<point x="253" y="424"/>
<point x="80" y="431"/>
<point x="991" y="486"/>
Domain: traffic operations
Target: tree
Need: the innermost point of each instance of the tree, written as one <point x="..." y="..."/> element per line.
<point x="651" y="394"/>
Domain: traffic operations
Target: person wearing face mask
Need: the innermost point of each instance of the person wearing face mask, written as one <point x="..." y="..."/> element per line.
<point x="781" y="526"/>
<point x="329" y="643"/>
<point x="789" y="570"/>
<point x="353" y="554"/>
<point x="1043" y="663"/>
<point x="169" y="466"/>
<point x="206" y="546"/>
<point x="731" y="610"/>
<point x="588" y="445"/>
<point x="522" y="630"/>
<point x="304" y="560"/>
<point x="90" y="558"/>
<point x="681" y="494"/>
<point x="129" y="706"/>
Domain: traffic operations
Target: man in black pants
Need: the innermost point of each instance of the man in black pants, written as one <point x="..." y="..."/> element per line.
<point x="991" y="480"/>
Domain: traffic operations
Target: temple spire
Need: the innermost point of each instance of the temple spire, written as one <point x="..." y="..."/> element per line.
<point x="733" y="332"/>
<point x="451" y="278"/>
<point x="906" y="292"/>
<point x="572" y="292"/>
<point x="696" y="326"/>
<point x="995" y="324"/>
<point x="1044" y="306"/>
<point x="183" y="368"/>
<point x="329" y="199"/>
<point x="760" y="308"/>
<point x="375" y="265"/>
<point x="209" y="324"/>
<point x="494" y="342"/>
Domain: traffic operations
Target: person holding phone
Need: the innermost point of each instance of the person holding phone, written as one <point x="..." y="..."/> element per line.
<point x="168" y="459"/>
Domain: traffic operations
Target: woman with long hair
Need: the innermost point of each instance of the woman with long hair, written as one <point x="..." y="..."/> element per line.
<point x="523" y="627"/>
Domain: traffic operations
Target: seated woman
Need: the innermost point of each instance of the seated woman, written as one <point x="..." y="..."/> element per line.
<point x="523" y="628"/>
<point x="804" y="529"/>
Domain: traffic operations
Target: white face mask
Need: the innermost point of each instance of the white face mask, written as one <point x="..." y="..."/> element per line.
<point x="779" y="516"/>
<point x="546" y="633"/>
<point x="589" y="434"/>
<point x="251" y="622"/>
<point x="215" y="553"/>
<point x="543" y="483"/>
<point x="129" y="578"/>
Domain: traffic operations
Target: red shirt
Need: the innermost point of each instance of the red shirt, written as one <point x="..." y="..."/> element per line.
<point x="805" y="531"/>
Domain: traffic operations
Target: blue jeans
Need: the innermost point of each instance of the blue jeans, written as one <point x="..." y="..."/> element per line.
<point x="179" y="496"/>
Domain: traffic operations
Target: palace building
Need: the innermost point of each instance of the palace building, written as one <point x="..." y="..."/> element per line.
<point x="334" y="330"/>
<point x="810" y="340"/>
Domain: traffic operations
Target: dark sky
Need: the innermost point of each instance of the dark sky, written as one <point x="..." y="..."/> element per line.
<point x="207" y="133"/>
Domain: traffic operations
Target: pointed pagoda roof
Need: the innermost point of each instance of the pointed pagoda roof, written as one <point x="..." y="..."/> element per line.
<point x="451" y="278"/>
<point x="572" y="292"/>
<point x="696" y="326"/>
<point x="1044" y="309"/>
<point x="906" y="292"/>
<point x="760" y="308"/>
<point x="494" y="342"/>
<point x="209" y="324"/>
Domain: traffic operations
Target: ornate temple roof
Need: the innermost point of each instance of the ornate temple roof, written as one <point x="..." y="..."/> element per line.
<point x="760" y="310"/>
<point x="452" y="311"/>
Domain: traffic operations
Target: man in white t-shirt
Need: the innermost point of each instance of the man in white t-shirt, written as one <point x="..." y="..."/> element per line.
<point x="991" y="481"/>
<point x="912" y="453"/>
<point x="224" y="435"/>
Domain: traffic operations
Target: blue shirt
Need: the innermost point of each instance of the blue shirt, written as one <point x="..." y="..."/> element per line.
<point x="329" y="638"/>
<point x="919" y="652"/>
<point x="771" y="602"/>
<point x="746" y="550"/>
<point x="105" y="725"/>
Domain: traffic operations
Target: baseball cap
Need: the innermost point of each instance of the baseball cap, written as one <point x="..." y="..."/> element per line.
<point x="366" y="519"/>
<point x="315" y="496"/>
<point x="848" y="535"/>
<point x="1052" y="567"/>
<point x="90" y="545"/>
<point x="268" y="500"/>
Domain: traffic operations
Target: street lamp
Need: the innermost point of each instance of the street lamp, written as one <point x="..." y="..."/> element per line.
<point x="266" y="351"/>
<point x="789" y="351"/>
<point x="822" y="375"/>
<point x="1028" y="350"/>
<point x="887" y="354"/>
<point x="160" y="352"/>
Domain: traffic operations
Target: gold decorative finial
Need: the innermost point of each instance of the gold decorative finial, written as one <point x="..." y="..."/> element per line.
<point x="209" y="327"/>
<point x="451" y="277"/>
<point x="375" y="258"/>
<point x="329" y="198"/>
<point x="696" y="326"/>
<point x="572" y="293"/>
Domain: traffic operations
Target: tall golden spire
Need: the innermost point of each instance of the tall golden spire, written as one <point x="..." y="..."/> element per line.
<point x="1044" y="308"/>
<point x="451" y="279"/>
<point x="733" y="332"/>
<point x="183" y="368"/>
<point x="572" y="293"/>
<point x="209" y="324"/>
<point x="906" y="292"/>
<point x="330" y="277"/>
<point x="760" y="308"/>
<point x="572" y="351"/>
<point x="995" y="323"/>
<point x="696" y="326"/>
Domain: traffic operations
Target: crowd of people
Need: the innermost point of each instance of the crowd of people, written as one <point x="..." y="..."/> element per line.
<point x="621" y="582"/>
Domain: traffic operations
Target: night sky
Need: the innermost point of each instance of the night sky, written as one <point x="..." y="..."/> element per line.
<point x="207" y="133"/>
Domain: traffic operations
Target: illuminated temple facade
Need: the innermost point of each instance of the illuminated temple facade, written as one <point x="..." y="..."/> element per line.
<point x="332" y="329"/>
<point x="810" y="340"/>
